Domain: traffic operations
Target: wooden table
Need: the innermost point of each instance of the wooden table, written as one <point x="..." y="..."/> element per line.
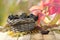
<point x="38" y="36"/>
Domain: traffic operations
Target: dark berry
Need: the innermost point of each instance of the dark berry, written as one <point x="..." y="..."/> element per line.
<point x="16" y="17"/>
<point x="33" y="16"/>
<point x="11" y="17"/>
<point x="44" y="32"/>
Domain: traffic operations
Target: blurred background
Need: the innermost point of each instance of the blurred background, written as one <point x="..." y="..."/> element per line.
<point x="8" y="7"/>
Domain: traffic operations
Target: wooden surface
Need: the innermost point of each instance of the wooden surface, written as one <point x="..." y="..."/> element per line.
<point x="38" y="36"/>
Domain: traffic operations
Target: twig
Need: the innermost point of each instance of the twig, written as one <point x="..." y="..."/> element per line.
<point x="50" y="26"/>
<point x="17" y="38"/>
<point x="54" y="35"/>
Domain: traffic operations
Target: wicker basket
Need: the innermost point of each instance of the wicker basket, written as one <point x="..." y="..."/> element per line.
<point x="26" y="24"/>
